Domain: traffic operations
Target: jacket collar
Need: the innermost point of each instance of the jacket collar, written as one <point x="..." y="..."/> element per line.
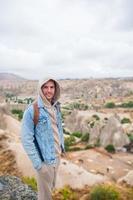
<point x="41" y="103"/>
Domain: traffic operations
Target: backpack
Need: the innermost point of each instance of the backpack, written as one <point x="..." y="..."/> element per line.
<point x="36" y="112"/>
<point x="35" y="120"/>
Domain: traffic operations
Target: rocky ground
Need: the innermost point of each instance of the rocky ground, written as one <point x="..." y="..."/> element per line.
<point x="12" y="188"/>
<point x="8" y="164"/>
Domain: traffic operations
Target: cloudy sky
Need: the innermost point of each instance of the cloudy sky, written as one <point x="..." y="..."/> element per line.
<point x="66" y="38"/>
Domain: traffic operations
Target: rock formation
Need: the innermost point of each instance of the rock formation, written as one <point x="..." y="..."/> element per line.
<point x="113" y="133"/>
<point x="12" y="188"/>
<point x="128" y="179"/>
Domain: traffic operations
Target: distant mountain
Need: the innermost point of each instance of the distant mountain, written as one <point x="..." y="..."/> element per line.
<point x="11" y="77"/>
<point x="17" y="85"/>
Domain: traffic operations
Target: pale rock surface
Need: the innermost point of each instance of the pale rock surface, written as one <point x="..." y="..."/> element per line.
<point x="113" y="133"/>
<point x="94" y="134"/>
<point x="76" y="177"/>
<point x="128" y="179"/>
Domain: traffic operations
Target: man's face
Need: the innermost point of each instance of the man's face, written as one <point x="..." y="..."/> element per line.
<point x="48" y="90"/>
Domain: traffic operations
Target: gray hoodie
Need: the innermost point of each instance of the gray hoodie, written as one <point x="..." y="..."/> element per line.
<point x="57" y="89"/>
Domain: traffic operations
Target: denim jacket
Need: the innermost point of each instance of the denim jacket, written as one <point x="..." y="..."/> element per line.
<point x="44" y="135"/>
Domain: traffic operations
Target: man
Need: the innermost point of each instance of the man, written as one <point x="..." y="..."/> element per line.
<point x="44" y="142"/>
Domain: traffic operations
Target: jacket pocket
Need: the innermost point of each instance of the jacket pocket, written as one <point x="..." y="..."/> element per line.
<point x="42" y="124"/>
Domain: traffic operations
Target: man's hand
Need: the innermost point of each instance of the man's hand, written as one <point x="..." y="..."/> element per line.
<point x="65" y="155"/>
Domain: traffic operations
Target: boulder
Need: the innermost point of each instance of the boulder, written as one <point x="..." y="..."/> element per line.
<point x="12" y="188"/>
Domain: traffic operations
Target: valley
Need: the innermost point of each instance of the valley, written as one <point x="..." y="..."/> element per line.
<point x="96" y="114"/>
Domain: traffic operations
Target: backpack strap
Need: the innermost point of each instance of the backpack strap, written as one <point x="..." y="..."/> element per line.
<point x="35" y="119"/>
<point x="36" y="113"/>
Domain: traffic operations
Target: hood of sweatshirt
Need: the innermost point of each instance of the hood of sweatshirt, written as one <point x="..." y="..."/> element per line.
<point x="57" y="91"/>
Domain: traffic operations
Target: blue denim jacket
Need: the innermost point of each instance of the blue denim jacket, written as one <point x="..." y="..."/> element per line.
<point x="44" y="135"/>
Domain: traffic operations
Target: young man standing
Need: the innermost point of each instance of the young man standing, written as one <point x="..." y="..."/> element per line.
<point x="43" y="141"/>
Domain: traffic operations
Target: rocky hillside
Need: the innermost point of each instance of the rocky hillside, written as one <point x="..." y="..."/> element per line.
<point x="8" y="163"/>
<point x="87" y="90"/>
<point x="16" y="85"/>
<point x="101" y="89"/>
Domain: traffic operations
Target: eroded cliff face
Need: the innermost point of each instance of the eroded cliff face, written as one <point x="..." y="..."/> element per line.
<point x="110" y="131"/>
<point x="3" y="111"/>
<point x="8" y="163"/>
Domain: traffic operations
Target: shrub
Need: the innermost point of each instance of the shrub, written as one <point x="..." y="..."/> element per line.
<point x="18" y="112"/>
<point x="97" y="144"/>
<point x="104" y="192"/>
<point x="80" y="106"/>
<point x="75" y="149"/>
<point x="89" y="146"/>
<point x="30" y="181"/>
<point x="77" y="134"/>
<point x="69" y="141"/>
<point x="20" y="101"/>
<point x="65" y="131"/>
<point x="67" y="193"/>
<point x="92" y="124"/>
<point x="129" y="193"/>
<point x="20" y="115"/>
<point x="9" y="95"/>
<point x="110" y="105"/>
<point x="130" y="137"/>
<point x="96" y="117"/>
<point x="127" y="105"/>
<point x="110" y="148"/>
<point x="85" y="137"/>
<point x="125" y="120"/>
<point x="64" y="113"/>
<point x="76" y="105"/>
<point x="29" y="100"/>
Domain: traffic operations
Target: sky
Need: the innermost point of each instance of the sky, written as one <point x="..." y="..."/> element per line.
<point x="66" y="38"/>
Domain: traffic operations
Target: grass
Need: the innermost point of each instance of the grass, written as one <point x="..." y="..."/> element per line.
<point x="30" y="181"/>
<point x="98" y="192"/>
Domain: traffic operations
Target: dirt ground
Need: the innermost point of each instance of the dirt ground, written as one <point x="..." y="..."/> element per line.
<point x="98" y="161"/>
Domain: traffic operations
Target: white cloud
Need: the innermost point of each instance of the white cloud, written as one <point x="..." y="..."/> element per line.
<point x="66" y="38"/>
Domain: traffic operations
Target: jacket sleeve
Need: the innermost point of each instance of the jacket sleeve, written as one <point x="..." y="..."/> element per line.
<point x="27" y="138"/>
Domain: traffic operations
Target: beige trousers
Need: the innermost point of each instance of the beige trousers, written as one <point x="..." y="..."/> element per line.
<point x="46" y="179"/>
